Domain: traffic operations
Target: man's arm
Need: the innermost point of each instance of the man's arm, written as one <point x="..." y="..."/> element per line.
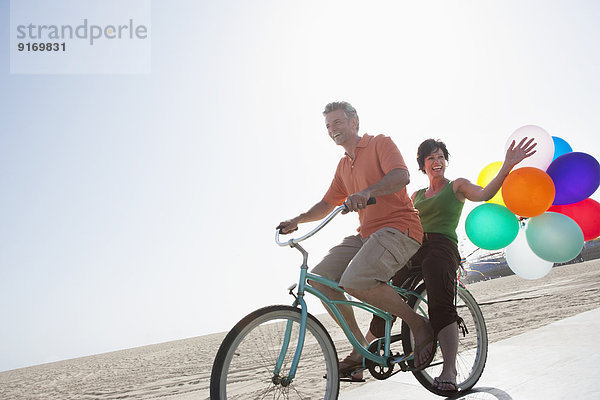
<point x="316" y="212"/>
<point x="392" y="182"/>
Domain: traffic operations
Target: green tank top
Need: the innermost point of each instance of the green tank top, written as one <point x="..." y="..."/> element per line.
<point x="440" y="213"/>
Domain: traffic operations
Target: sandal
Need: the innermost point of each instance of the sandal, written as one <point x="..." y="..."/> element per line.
<point x="437" y="382"/>
<point x="347" y="366"/>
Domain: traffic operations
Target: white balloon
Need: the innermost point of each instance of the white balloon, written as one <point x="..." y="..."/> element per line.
<point x="523" y="261"/>
<point x="544" y="150"/>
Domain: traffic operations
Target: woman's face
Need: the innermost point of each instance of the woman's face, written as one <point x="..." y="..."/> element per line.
<point x="435" y="164"/>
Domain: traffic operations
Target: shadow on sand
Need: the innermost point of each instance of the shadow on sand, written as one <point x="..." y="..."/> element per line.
<point x="483" y="393"/>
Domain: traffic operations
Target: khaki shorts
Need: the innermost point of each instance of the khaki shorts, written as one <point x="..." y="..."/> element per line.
<point x="362" y="263"/>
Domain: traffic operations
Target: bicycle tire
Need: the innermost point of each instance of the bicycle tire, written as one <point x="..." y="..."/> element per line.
<point x="241" y="371"/>
<point x="472" y="346"/>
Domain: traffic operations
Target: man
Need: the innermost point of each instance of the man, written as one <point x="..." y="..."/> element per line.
<point x="389" y="233"/>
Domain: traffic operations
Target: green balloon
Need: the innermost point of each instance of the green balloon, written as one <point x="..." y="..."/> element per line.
<point x="554" y="237"/>
<point x="491" y="226"/>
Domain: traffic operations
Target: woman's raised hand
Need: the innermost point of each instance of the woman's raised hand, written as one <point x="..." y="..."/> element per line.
<point x="524" y="149"/>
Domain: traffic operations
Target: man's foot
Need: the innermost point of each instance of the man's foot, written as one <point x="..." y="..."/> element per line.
<point x="349" y="368"/>
<point x="445" y="385"/>
<point x="425" y="348"/>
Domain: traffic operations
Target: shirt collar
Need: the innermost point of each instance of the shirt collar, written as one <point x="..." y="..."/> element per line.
<point x="363" y="142"/>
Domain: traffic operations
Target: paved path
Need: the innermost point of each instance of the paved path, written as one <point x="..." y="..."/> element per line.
<point x="558" y="361"/>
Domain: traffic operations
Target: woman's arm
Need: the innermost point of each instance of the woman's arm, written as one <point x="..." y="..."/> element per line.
<point x="464" y="189"/>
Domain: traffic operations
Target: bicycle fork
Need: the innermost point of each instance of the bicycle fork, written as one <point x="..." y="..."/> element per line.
<point x="286" y="380"/>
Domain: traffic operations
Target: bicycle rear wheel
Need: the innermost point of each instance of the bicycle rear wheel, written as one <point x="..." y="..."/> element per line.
<point x="244" y="365"/>
<point x="472" y="343"/>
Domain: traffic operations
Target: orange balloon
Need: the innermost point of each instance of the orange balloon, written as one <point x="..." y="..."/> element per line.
<point x="528" y="191"/>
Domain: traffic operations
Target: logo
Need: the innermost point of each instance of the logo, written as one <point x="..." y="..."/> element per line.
<point x="84" y="31"/>
<point x="80" y="37"/>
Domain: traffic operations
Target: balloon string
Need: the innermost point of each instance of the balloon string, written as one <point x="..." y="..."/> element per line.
<point x="462" y="270"/>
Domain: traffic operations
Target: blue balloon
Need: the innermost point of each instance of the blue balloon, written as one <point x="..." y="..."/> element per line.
<point x="576" y="177"/>
<point x="554" y="237"/>
<point x="560" y="147"/>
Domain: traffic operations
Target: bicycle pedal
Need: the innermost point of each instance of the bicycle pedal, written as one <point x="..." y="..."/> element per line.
<point x="401" y="358"/>
<point x="352" y="380"/>
<point x="412" y="369"/>
<point x="404" y="367"/>
<point x="349" y="376"/>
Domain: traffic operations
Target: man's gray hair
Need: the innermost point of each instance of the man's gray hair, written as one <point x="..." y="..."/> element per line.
<point x="348" y="109"/>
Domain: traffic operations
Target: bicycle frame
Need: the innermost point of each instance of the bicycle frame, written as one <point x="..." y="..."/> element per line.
<point x="332" y="305"/>
<point x="276" y="329"/>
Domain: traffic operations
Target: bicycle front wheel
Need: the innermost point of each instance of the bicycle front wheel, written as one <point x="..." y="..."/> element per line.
<point x="245" y="363"/>
<point x="472" y="342"/>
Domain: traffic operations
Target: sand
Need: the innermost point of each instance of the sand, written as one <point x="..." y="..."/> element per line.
<point x="180" y="370"/>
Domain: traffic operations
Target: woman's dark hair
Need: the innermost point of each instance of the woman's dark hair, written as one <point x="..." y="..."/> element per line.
<point x="428" y="147"/>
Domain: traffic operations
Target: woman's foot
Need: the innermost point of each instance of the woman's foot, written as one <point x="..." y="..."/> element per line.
<point x="425" y="345"/>
<point x="445" y="385"/>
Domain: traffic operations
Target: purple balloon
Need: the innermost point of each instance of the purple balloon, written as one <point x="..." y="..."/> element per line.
<point x="576" y="177"/>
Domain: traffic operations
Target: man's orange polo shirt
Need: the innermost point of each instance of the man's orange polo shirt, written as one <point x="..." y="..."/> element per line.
<point x="374" y="157"/>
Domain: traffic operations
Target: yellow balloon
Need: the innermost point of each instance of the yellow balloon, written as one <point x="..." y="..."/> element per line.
<point x="486" y="175"/>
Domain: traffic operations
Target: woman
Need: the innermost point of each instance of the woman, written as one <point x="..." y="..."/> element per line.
<point x="440" y="206"/>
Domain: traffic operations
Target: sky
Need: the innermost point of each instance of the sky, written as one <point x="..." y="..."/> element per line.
<point x="139" y="208"/>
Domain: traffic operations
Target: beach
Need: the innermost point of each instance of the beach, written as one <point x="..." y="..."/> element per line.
<point x="180" y="370"/>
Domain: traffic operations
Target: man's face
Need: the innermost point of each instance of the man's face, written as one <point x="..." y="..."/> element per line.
<point x="340" y="128"/>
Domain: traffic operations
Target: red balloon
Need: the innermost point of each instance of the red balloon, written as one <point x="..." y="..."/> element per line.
<point x="587" y="215"/>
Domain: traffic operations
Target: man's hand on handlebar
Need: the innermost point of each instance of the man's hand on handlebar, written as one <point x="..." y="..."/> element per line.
<point x="288" y="226"/>
<point x="356" y="201"/>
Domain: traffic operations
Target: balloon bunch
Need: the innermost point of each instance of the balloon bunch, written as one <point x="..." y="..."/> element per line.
<point x="550" y="192"/>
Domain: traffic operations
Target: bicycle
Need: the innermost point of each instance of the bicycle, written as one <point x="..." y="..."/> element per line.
<point x="296" y="357"/>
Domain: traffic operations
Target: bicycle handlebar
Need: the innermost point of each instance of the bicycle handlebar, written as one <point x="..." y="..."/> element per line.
<point x="324" y="222"/>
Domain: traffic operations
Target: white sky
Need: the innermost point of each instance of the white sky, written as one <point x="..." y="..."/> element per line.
<point x="139" y="209"/>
